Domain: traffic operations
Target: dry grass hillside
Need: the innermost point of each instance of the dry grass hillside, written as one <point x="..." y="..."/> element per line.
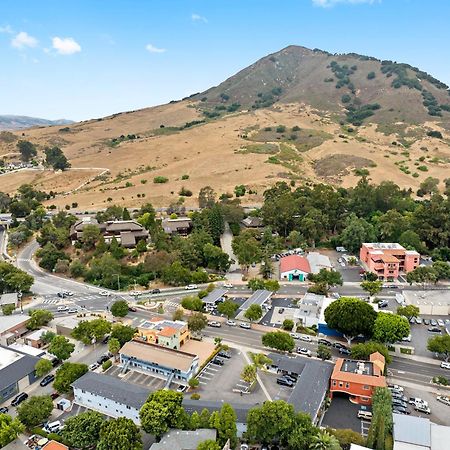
<point x="230" y="135"/>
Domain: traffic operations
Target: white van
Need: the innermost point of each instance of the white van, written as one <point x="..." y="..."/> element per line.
<point x="445" y="365"/>
<point x="365" y="415"/>
<point x="53" y="427"/>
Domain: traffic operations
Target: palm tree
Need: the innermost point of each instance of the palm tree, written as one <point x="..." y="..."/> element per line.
<point x="324" y="441"/>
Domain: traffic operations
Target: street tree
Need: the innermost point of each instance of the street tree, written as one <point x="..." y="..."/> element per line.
<point x="390" y="328"/>
<point x="323" y="440"/>
<point x="224" y="421"/>
<point x="209" y="444"/>
<point x="255" y="284"/>
<point x="288" y="324"/>
<point x="440" y="345"/>
<point x="114" y="346"/>
<point x="323" y="352"/>
<point x="228" y="308"/>
<point x="248" y="373"/>
<point x="119" y="308"/>
<point x="278" y="340"/>
<point x="35" y="410"/>
<point x="178" y="314"/>
<point x="372" y="287"/>
<point x="91" y="331"/>
<point x="422" y="275"/>
<point x="253" y="313"/>
<point x="118" y="434"/>
<point x="329" y="277"/>
<point x="382" y="421"/>
<point x="43" y="367"/>
<point x="197" y="321"/>
<point x="192" y="303"/>
<point x="83" y="430"/>
<point x="38" y="318"/>
<point x="123" y="333"/>
<point x="61" y="347"/>
<point x="67" y="374"/>
<point x="351" y="317"/>
<point x="363" y="350"/>
<point x="442" y="270"/>
<point x="408" y="311"/>
<point x="9" y="429"/>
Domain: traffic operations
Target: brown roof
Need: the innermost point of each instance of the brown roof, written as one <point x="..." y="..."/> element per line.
<point x="389" y="258"/>
<point x="123" y="225"/>
<point x="53" y="445"/>
<point x="127" y="239"/>
<point x="163" y="356"/>
<point x="167" y="332"/>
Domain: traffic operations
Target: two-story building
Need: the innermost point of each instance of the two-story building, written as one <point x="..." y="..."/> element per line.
<point x="181" y="226"/>
<point x="388" y="260"/>
<point x="159" y="361"/>
<point x="358" y="379"/>
<point x="167" y="333"/>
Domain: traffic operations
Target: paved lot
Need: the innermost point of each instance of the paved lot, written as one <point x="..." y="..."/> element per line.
<point x="420" y="336"/>
<point x="349" y="273"/>
<point x="343" y="414"/>
<point x="276" y="391"/>
<point x="142" y="379"/>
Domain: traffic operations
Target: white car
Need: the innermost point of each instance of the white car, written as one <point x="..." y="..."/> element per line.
<point x="304" y="352"/>
<point x="395" y="387"/>
<point x="407" y="338"/>
<point x="135" y="293"/>
<point x="94" y="366"/>
<point x="191" y="287"/>
<point x="441" y="323"/>
<point x="305" y="338"/>
<point x="231" y="323"/>
<point x="444" y="400"/>
<point x="63" y="308"/>
<point x="445" y="365"/>
<point x="417" y="401"/>
<point x="245" y="325"/>
<point x="295" y="335"/>
<point x="419" y="320"/>
<point x="68" y="293"/>
<point x="214" y="324"/>
<point x="72" y="310"/>
<point x="228" y="285"/>
<point x="104" y="293"/>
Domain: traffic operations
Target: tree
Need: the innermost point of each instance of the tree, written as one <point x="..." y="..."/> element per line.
<point x="27" y="150"/>
<point x="428" y="186"/>
<point x="55" y="157"/>
<point x="193" y="383"/>
<point x="442" y="270"/>
<point x="35" y="410"/>
<point x="253" y="313"/>
<point x="382" y="422"/>
<point x="390" y="328"/>
<point x="90" y="236"/>
<point x="7" y="310"/>
<point x="123" y="333"/>
<point x="178" y="314"/>
<point x="272" y="285"/>
<point x="83" y="430"/>
<point x="43" y="367"/>
<point x="302" y="432"/>
<point x="356" y="232"/>
<point x="9" y="429"/>
<point x="408" y="311"/>
<point x="423" y="275"/>
<point x="228" y="308"/>
<point x="119" y="308"/>
<point x="209" y="444"/>
<point x="440" y="345"/>
<point x="271" y="421"/>
<point x="372" y="287"/>
<point x="47" y="336"/>
<point x="347" y="437"/>
<point x="248" y="373"/>
<point x="67" y="374"/>
<point x="260" y="360"/>
<point x="206" y="197"/>
<point x="247" y="249"/>
<point x="327" y="277"/>
<point x="324" y="441"/>
<point x="196" y="322"/>
<point x="323" y="352"/>
<point x="351" y="317"/>
<point x="114" y="346"/>
<point x="118" y="434"/>
<point x="279" y="340"/>
<point x="61" y="347"/>
<point x="256" y="284"/>
<point x="288" y="324"/>
<point x="224" y="421"/>
<point x="363" y="350"/>
<point x="38" y="318"/>
<point x="90" y="331"/>
<point x="215" y="258"/>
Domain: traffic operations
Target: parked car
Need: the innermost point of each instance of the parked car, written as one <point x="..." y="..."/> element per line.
<point x="407" y="338"/>
<point x="400" y="410"/>
<point x="434" y="330"/>
<point x="295" y="335"/>
<point x="228" y="285"/>
<point x="383" y="304"/>
<point x="94" y="366"/>
<point x="422" y="409"/>
<point x="218" y="361"/>
<point x="395" y="387"/>
<point x="288" y="376"/>
<point x="398" y="396"/>
<point x="306" y="338"/>
<point x="231" y="323"/>
<point x="102" y="359"/>
<point x="214" y="324"/>
<point x="399" y="404"/>
<point x="324" y="342"/>
<point x="338" y="345"/>
<point x="18" y="399"/>
<point x="191" y="287"/>
<point x="344" y="351"/>
<point x="419" y="320"/>
<point x="441" y="323"/>
<point x="304" y="351"/>
<point x="417" y="401"/>
<point x="426" y="321"/>
<point x="224" y="354"/>
<point x="106" y="339"/>
<point x="68" y="293"/>
<point x="244" y="447"/>
<point x="433" y="322"/>
<point x="52" y="427"/>
<point x="72" y="311"/>
<point x="54" y="395"/>
<point x="445" y="365"/>
<point x="47" y="380"/>
<point x="155" y="291"/>
<point x="245" y="325"/>
<point x="61" y="295"/>
<point x="4" y="410"/>
<point x="285" y="382"/>
<point x="439" y="398"/>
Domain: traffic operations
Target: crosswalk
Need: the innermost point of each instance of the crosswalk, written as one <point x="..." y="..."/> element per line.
<point x="50" y="301"/>
<point x="171" y="306"/>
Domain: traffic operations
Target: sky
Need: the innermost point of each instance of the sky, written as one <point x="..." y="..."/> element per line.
<point x="89" y="58"/>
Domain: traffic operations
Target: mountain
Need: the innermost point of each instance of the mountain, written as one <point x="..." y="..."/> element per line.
<point x="9" y="122"/>
<point x="298" y="115"/>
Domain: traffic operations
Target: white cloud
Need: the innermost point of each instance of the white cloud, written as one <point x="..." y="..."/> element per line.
<point x="152" y="49"/>
<point x="198" y="18"/>
<point x="329" y="3"/>
<point x="66" y="46"/>
<point x="6" y="29"/>
<point x="23" y="40"/>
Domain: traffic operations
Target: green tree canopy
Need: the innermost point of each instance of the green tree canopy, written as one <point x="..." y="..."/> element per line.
<point x="61" y="347"/>
<point x="55" y="157"/>
<point x="35" y="410"/>
<point x="440" y="345"/>
<point x="363" y="350"/>
<point x="228" y="308"/>
<point x="89" y="331"/>
<point x="83" y="430"/>
<point x="224" y="421"/>
<point x="278" y="340"/>
<point x="67" y="374"/>
<point x="43" y="367"/>
<point x="119" y="308"/>
<point x="248" y="373"/>
<point x="356" y="232"/>
<point x="197" y="321"/>
<point x="114" y="346"/>
<point x="390" y="328"/>
<point x="209" y="444"/>
<point x="253" y="313"/>
<point x="408" y="311"/>
<point x="382" y="422"/>
<point x="9" y="429"/>
<point x="118" y="434"/>
<point x="372" y="287"/>
<point x="123" y="333"/>
<point x="27" y="150"/>
<point x="38" y="318"/>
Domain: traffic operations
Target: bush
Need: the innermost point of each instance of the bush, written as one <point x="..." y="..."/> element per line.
<point x="346" y="98"/>
<point x="288" y="324"/>
<point x="160" y="179"/>
<point x="185" y="192"/>
<point x="195" y="396"/>
<point x="185" y="177"/>
<point x="106" y="365"/>
<point x="423" y="168"/>
<point x="281" y="129"/>
<point x="371" y="75"/>
<point x="435" y="134"/>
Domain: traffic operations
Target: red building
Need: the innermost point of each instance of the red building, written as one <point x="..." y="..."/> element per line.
<point x="358" y="379"/>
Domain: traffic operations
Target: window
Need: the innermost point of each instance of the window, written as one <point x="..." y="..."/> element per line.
<point x="128" y="407"/>
<point x="341" y="384"/>
<point x="334" y="383"/>
<point x="347" y="385"/>
<point x="366" y="388"/>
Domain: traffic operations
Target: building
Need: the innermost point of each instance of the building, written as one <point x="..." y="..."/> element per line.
<point x="160" y="361"/>
<point x="429" y="302"/>
<point x="252" y="222"/>
<point x="54" y="445"/>
<point x="127" y="232"/>
<point x="294" y="267"/>
<point x="109" y="395"/>
<point x="317" y="262"/>
<point x="184" y="440"/>
<point x="388" y="260"/>
<point x="16" y="372"/>
<point x="214" y="297"/>
<point x="11" y="298"/>
<point x="309" y="308"/>
<point x="312" y="384"/>
<point x="181" y="226"/>
<point x="358" y="379"/>
<point x="259" y="297"/>
<point x="167" y="333"/>
<point x="27" y="349"/>
<point x="419" y="433"/>
<point x="12" y="328"/>
<point x="34" y="339"/>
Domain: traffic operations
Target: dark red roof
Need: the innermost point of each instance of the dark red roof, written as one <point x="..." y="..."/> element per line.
<point x="293" y="262"/>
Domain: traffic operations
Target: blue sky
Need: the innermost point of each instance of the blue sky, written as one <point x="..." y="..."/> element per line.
<point x="89" y="58"/>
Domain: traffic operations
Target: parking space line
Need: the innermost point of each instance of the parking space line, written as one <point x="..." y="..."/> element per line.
<point x="202" y="382"/>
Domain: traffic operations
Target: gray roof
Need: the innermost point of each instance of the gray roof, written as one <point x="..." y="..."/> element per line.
<point x="16" y="445"/>
<point x="287" y="364"/>
<point x="258" y="297"/>
<point x="412" y="430"/>
<point x="18" y="369"/>
<point x="9" y="299"/>
<point x="184" y="440"/>
<point x="112" y="388"/>
<point x="7" y="322"/>
<point x="214" y="296"/>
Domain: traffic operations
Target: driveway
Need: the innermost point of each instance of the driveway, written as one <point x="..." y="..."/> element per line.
<point x="234" y="272"/>
<point x="342" y="414"/>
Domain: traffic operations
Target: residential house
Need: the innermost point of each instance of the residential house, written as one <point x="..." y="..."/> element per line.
<point x="167" y="333"/>
<point x="252" y="222"/>
<point x="33" y="339"/>
<point x="294" y="267"/>
<point x="12" y="328"/>
<point x="181" y="226"/>
<point x="358" y="379"/>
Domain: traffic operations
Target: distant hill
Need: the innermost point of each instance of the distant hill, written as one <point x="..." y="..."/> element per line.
<point x="297" y="115"/>
<point x="10" y="122"/>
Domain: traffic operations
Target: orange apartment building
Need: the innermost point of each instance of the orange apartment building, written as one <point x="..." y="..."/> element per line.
<point x="167" y="333"/>
<point x="358" y="379"/>
<point x="388" y="260"/>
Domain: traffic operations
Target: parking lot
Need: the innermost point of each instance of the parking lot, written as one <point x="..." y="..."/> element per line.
<point x="276" y="391"/>
<point x="142" y="379"/>
<point x="349" y="273"/>
<point x="344" y="414"/>
<point x="224" y="382"/>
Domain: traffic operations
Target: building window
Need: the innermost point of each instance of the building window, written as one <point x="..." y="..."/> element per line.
<point x="128" y="407"/>
<point x="334" y="383"/>
<point x="366" y="387"/>
<point x="341" y="384"/>
<point x="347" y="385"/>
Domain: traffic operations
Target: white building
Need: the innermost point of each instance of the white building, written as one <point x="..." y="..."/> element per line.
<point x="109" y="395"/>
<point x="317" y="262"/>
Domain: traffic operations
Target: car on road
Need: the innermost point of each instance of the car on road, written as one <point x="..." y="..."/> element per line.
<point x="47" y="380"/>
<point x="304" y="351"/>
<point x="443" y="399"/>
<point x="224" y="354"/>
<point x="61" y="295"/>
<point x="344" y="351"/>
<point x="445" y="365"/>
<point x="231" y="323"/>
<point x="132" y="308"/>
<point x="422" y="409"/>
<point x="383" y="304"/>
<point x="434" y="330"/>
<point x="68" y="293"/>
<point x="105" y="293"/>
<point x="324" y="342"/>
<point x="295" y="335"/>
<point x="191" y="287"/>
<point x="228" y="285"/>
<point x="63" y="308"/>
<point x="395" y="387"/>
<point x="102" y="359"/>
<point x="218" y="362"/>
<point x="305" y="338"/>
<point x="155" y="291"/>
<point x="245" y="325"/>
<point x="426" y="321"/>
<point x="338" y="345"/>
<point x="214" y="324"/>
<point x="18" y="399"/>
<point x="441" y="323"/>
<point x="72" y="311"/>
<point x="285" y="382"/>
<point x="4" y="410"/>
<point x="135" y="293"/>
<point x="94" y="366"/>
